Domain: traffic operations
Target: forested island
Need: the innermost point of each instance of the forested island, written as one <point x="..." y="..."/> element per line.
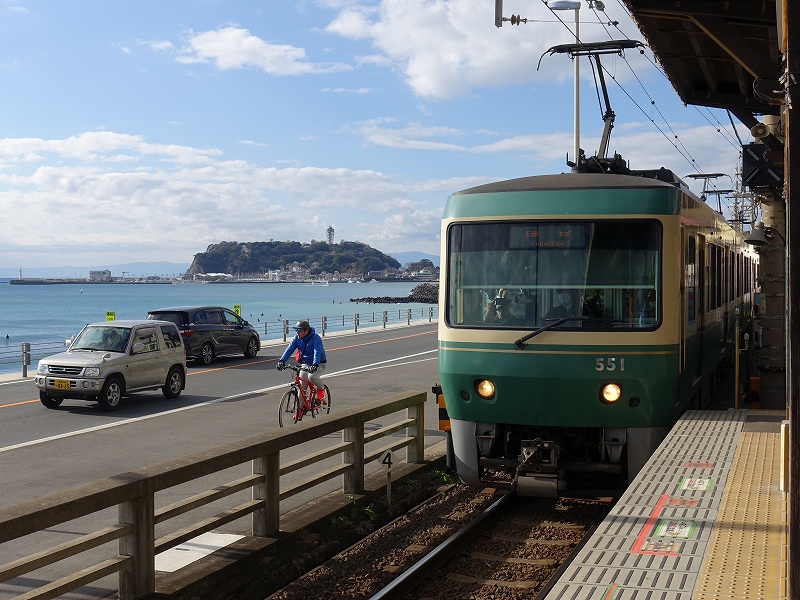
<point x="315" y="258"/>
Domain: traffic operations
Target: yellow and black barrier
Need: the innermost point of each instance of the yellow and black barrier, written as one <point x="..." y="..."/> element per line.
<point x="444" y="418"/>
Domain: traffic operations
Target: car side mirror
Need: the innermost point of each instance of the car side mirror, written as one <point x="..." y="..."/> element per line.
<point x="138" y="348"/>
<point x="243" y="323"/>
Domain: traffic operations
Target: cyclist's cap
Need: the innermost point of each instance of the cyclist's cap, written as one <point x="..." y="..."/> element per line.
<point x="302" y="325"/>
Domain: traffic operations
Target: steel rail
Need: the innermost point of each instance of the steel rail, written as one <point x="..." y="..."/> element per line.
<point x="422" y="570"/>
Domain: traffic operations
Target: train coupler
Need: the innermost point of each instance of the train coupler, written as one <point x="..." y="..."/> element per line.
<point x="537" y="473"/>
<point x="539" y="454"/>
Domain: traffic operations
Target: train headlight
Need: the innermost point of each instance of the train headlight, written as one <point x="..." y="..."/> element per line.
<point x="485" y="389"/>
<point x="610" y="393"/>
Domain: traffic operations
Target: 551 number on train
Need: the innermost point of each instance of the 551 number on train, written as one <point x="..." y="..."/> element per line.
<point x="609" y="364"/>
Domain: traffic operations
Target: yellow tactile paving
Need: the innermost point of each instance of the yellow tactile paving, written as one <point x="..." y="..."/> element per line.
<point x="746" y="557"/>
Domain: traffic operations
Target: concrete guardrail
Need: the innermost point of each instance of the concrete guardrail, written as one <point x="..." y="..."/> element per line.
<point x="133" y="494"/>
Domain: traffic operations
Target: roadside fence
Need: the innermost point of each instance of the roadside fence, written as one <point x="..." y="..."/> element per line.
<point x="73" y="538"/>
<point x="323" y="325"/>
<point x="28" y="353"/>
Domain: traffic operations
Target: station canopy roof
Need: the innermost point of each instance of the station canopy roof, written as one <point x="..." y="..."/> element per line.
<point x="722" y="54"/>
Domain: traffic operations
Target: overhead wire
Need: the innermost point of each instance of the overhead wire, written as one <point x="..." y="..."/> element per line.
<point x="707" y="115"/>
<point x="719" y="127"/>
<point x="685" y="153"/>
<point x="676" y="141"/>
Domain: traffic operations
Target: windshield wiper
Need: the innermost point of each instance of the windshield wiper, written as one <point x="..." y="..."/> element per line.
<point x="520" y="343"/>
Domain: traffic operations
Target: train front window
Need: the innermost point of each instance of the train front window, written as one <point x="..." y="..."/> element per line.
<point x="605" y="274"/>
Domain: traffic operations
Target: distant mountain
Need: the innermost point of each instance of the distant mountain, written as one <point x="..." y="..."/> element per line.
<point x="138" y="269"/>
<point x="411" y="257"/>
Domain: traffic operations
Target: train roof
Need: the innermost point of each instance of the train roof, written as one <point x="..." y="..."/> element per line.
<point x="570" y="181"/>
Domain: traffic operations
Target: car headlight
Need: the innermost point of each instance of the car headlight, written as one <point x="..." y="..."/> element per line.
<point x="91" y="372"/>
<point x="485" y="389"/>
<point x="41" y="369"/>
<point x="610" y="393"/>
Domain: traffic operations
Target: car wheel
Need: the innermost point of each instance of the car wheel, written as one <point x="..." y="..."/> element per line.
<point x="252" y="348"/>
<point x="111" y="394"/>
<point x="175" y="383"/>
<point x="49" y="401"/>
<point x="206" y="354"/>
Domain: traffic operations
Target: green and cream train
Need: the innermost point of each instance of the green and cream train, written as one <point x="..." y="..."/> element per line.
<point x="580" y="315"/>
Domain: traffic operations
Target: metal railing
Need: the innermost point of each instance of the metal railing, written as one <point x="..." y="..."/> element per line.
<point x="35" y="351"/>
<point x="133" y="494"/>
<point x="356" y="321"/>
<point x="27" y="353"/>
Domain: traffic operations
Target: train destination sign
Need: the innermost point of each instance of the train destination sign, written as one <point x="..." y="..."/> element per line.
<point x="548" y="235"/>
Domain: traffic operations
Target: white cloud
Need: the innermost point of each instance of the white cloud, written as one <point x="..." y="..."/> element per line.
<point x="172" y="201"/>
<point x="236" y="48"/>
<point x="97" y="146"/>
<point x="16" y="8"/>
<point x="111" y="195"/>
<point x="253" y="143"/>
<point x="409" y="229"/>
<point x="446" y="48"/>
<point x="356" y="91"/>
<point x="159" y="45"/>
<point x="641" y="143"/>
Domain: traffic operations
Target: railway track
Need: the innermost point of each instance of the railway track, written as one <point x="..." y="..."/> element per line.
<point x="461" y="544"/>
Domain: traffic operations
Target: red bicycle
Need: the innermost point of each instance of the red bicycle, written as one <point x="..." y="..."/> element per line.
<point x="297" y="402"/>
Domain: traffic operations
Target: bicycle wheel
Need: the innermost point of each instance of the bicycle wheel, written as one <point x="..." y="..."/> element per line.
<point x="289" y="409"/>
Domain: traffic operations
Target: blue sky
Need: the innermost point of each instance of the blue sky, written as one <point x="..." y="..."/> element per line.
<point x="147" y="130"/>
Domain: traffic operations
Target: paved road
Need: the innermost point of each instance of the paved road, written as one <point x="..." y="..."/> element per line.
<point x="43" y="451"/>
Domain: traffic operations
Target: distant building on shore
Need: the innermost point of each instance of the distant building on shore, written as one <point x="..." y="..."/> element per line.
<point x="104" y="275"/>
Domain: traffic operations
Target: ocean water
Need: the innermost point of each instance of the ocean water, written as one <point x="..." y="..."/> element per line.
<point x="46" y="315"/>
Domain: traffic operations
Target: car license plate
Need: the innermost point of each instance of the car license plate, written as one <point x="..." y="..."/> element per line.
<point x="61" y="384"/>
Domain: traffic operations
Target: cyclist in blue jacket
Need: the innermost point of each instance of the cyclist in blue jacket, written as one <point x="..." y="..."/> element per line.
<point x="311" y="353"/>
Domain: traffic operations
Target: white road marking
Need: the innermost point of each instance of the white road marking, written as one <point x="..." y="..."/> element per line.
<point x="15" y="381"/>
<point x="370" y="367"/>
<point x="192" y="550"/>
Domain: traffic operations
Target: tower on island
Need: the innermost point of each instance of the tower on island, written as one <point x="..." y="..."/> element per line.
<point x="329" y="233"/>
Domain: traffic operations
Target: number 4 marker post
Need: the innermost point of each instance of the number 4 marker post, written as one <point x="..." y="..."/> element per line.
<point x="388" y="460"/>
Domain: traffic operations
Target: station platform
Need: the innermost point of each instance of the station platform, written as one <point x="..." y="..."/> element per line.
<point x="705" y="519"/>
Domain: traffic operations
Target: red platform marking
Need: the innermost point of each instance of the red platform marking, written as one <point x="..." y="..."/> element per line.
<point x="647" y="528"/>
<point x="609" y="593"/>
<point x="698" y="465"/>
<point x="681" y="502"/>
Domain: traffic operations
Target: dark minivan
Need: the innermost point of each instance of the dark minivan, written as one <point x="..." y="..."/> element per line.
<point x="210" y="331"/>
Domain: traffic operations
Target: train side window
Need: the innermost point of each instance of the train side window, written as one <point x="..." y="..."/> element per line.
<point x="690" y="278"/>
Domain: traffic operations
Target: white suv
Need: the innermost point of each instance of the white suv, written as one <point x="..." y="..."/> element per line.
<point x="112" y="359"/>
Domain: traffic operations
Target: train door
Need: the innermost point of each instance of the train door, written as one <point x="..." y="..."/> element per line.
<point x="691" y="306"/>
<point x="685" y="292"/>
<point x="702" y="302"/>
<point x="685" y="297"/>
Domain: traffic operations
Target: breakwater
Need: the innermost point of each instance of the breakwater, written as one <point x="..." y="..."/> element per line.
<point x="57" y="281"/>
<point x="425" y="293"/>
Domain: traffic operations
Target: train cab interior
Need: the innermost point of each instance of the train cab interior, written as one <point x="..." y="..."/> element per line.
<point x="597" y="275"/>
